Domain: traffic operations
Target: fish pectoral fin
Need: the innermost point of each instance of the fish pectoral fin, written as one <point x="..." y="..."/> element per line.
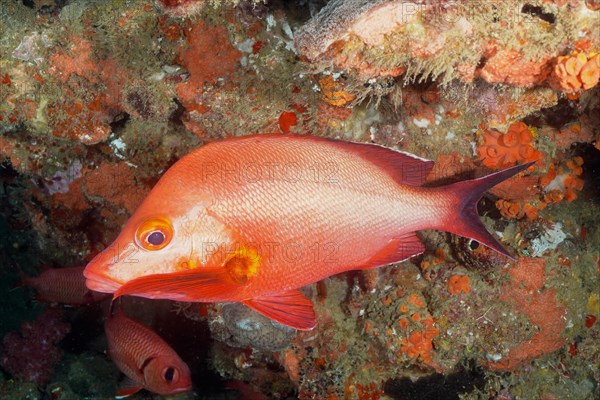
<point x="398" y="249"/>
<point x="189" y="285"/>
<point x="291" y="308"/>
<point x="127" y="388"/>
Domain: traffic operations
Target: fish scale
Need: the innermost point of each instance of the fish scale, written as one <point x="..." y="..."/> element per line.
<point x="305" y="227"/>
<point x="62" y="285"/>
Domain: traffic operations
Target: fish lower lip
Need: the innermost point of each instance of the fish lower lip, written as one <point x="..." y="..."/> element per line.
<point x="100" y="283"/>
<point x="182" y="389"/>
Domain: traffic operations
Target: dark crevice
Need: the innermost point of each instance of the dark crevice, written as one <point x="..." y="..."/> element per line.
<point x="482" y="62"/>
<point x="591" y="170"/>
<point x="437" y="386"/>
<point x="557" y="116"/>
<point x="119" y="122"/>
<point x="176" y="116"/>
<point x="537" y="11"/>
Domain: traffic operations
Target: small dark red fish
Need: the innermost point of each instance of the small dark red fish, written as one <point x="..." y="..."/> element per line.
<point x="145" y="358"/>
<point x="62" y="285"/>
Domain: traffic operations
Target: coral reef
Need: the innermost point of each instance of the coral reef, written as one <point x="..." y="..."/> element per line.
<point x="499" y="43"/>
<point x="182" y="8"/>
<point x="204" y="70"/>
<point x="32" y="353"/>
<point x="528" y="293"/>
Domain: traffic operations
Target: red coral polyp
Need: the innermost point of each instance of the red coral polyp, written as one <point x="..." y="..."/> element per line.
<point x="577" y="72"/>
<point x="499" y="150"/>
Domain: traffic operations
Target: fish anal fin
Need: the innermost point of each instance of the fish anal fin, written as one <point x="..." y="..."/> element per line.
<point x="127" y="388"/>
<point x="398" y="249"/>
<point x="198" y="284"/>
<point x="291" y="308"/>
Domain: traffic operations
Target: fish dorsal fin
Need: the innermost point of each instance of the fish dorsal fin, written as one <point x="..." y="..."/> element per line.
<point x="127" y="388"/>
<point x="404" y="168"/>
<point x="397" y="250"/>
<point x="291" y="308"/>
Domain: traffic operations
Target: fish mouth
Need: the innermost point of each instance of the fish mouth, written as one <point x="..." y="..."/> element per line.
<point x="181" y="389"/>
<point x="100" y="283"/>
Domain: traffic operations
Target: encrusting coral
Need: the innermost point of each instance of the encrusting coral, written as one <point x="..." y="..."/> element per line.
<point x="459" y="284"/>
<point x="529" y="293"/>
<point x="334" y="92"/>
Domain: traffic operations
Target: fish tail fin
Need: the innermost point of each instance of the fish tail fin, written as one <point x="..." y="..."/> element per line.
<point x="468" y="193"/>
<point x="24" y="279"/>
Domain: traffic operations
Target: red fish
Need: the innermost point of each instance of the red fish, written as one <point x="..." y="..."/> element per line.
<point x="145" y="358"/>
<point x="62" y="285"/>
<point x="253" y="219"/>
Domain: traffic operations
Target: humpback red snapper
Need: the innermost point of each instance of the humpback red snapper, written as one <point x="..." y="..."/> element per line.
<point x="255" y="218"/>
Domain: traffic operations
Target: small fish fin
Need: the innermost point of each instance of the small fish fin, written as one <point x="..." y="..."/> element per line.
<point x="189" y="285"/>
<point x="397" y="250"/>
<point x="468" y="193"/>
<point x="127" y="388"/>
<point x="24" y="281"/>
<point x="291" y="308"/>
<point x="405" y="168"/>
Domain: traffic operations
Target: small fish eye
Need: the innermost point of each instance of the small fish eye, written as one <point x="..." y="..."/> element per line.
<point x="473" y="244"/>
<point x="156" y="238"/>
<point x="169" y="374"/>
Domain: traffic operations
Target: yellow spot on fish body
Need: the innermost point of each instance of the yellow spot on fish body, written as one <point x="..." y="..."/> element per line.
<point x="243" y="264"/>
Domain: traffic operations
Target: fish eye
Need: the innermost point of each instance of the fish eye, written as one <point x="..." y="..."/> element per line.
<point x="473" y="244"/>
<point x="156" y="238"/>
<point x="154" y="234"/>
<point x="170" y="374"/>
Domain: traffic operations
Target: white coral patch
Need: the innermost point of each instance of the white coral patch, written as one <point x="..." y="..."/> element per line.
<point x="548" y="241"/>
